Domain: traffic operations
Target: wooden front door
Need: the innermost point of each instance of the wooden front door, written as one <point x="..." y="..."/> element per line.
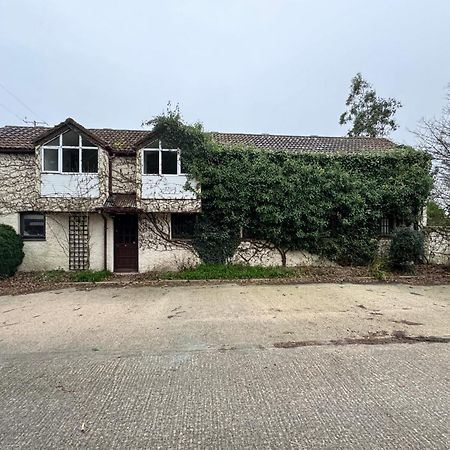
<point x="126" y="243"/>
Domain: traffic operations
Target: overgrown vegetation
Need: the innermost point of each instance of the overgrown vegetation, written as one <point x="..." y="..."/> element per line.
<point x="379" y="268"/>
<point x="228" y="272"/>
<point x="437" y="216"/>
<point x="327" y="204"/>
<point x="11" y="251"/>
<point x="86" y="276"/>
<point x="407" y="248"/>
<point x="90" y="276"/>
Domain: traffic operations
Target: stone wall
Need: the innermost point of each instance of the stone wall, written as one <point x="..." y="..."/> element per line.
<point x="437" y="248"/>
<point x="123" y="174"/>
<point x="19" y="187"/>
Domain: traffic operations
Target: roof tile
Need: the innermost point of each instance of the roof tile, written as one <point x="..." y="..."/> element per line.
<point x="21" y="139"/>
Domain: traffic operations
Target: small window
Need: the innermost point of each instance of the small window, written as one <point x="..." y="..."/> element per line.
<point x="158" y="160"/>
<point x="87" y="143"/>
<point x="385" y="226"/>
<point x="54" y="143"/>
<point x="169" y="162"/>
<point x="389" y="224"/>
<point x="248" y="234"/>
<point x="183" y="225"/>
<point x="151" y="162"/>
<point x="71" y="139"/>
<point x="153" y="144"/>
<point x="32" y="226"/>
<point x="70" y="159"/>
<point x="50" y="160"/>
<point x="89" y="160"/>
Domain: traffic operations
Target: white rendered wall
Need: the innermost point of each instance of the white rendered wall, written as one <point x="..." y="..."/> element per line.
<point x="53" y="252"/>
<point x="85" y="185"/>
<point x="165" y="187"/>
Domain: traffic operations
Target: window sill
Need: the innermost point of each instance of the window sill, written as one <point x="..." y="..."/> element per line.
<point x="28" y="239"/>
<point x="165" y="174"/>
<point x="68" y="173"/>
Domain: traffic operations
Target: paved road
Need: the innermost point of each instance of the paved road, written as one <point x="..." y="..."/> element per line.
<point x="206" y="395"/>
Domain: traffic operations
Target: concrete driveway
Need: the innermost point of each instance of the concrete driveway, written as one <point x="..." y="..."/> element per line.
<point x="198" y="367"/>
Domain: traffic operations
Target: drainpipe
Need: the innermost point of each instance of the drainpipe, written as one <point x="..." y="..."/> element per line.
<point x="105" y="242"/>
<point x="110" y="174"/>
<point x="105" y="218"/>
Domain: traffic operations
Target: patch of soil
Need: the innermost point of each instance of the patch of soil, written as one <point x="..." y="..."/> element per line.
<point x="27" y="282"/>
<point x="397" y="337"/>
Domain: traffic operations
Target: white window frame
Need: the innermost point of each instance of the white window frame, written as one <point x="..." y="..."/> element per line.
<point x="160" y="150"/>
<point x="80" y="148"/>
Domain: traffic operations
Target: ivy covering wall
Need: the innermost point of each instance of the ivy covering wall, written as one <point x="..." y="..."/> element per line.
<point x="327" y="204"/>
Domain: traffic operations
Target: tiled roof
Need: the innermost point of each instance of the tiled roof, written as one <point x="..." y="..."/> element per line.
<point x="19" y="138"/>
<point x="120" y="140"/>
<point x="305" y="143"/>
<point x="22" y="139"/>
<point x="120" y="202"/>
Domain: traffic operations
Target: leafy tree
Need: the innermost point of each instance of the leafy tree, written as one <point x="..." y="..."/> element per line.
<point x="369" y="115"/>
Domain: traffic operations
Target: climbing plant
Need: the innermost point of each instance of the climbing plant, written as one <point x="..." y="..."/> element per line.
<point x="327" y="204"/>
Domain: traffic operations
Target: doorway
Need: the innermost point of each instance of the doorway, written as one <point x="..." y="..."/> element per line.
<point x="126" y="243"/>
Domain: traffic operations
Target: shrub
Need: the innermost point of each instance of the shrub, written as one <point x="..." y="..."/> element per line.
<point x="407" y="247"/>
<point x="378" y="268"/>
<point x="11" y="251"/>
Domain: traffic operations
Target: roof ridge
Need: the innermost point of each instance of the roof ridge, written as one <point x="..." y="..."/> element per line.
<point x="225" y="133"/>
<point x="119" y="129"/>
<point x="295" y="135"/>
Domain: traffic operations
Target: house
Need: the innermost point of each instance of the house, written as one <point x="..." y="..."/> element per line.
<point x="117" y="199"/>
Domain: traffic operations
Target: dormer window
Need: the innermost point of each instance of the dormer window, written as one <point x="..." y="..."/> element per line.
<point x="157" y="160"/>
<point x="70" y="153"/>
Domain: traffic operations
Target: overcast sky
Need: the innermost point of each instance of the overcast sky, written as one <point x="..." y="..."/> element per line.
<point x="273" y="66"/>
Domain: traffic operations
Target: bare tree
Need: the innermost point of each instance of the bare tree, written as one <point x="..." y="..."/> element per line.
<point x="434" y="137"/>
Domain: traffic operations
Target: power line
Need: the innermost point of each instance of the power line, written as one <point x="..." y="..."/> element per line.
<point x="12" y="112"/>
<point x="22" y="103"/>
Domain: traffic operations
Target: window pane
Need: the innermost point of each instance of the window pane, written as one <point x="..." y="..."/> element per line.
<point x="71" y="139"/>
<point x="153" y="144"/>
<point x="89" y="161"/>
<point x="183" y="225"/>
<point x="169" y="163"/>
<point x="86" y="142"/>
<point x="32" y="226"/>
<point x="151" y="163"/>
<point x="50" y="159"/>
<point x="53" y="143"/>
<point x="70" y="160"/>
